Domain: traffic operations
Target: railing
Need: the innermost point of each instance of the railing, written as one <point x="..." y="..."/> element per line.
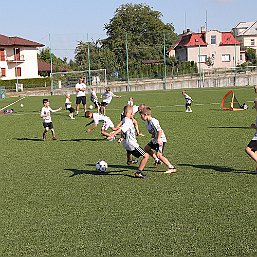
<point x="15" y="59"/>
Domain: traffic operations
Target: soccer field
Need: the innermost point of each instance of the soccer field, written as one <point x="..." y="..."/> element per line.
<point x="54" y="202"/>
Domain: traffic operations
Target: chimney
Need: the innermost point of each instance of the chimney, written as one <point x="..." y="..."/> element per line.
<point x="203" y="29"/>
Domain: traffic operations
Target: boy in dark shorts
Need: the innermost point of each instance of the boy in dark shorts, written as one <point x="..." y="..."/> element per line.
<point x="158" y="139"/>
<point x="130" y="142"/>
<point x="47" y="120"/>
<point x="251" y="148"/>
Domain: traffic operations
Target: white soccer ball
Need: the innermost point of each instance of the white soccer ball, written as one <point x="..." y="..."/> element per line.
<point x="91" y="107"/>
<point x="22" y="105"/>
<point x="101" y="166"/>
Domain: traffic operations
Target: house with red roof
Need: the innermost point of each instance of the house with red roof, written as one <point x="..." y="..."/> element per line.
<point x="18" y="58"/>
<point x="209" y="49"/>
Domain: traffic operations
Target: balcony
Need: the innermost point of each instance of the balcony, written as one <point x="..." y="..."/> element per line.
<point x="15" y="59"/>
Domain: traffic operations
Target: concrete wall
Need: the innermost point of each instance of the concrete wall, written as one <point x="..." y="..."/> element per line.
<point x="229" y="80"/>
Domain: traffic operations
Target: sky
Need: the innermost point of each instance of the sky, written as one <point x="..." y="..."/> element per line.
<point x="60" y="24"/>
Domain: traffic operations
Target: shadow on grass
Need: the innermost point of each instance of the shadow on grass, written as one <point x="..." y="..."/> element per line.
<point x="229" y="127"/>
<point x="172" y="111"/>
<point x="121" y="168"/>
<point x="82" y="139"/>
<point x="28" y="139"/>
<point x="216" y="168"/>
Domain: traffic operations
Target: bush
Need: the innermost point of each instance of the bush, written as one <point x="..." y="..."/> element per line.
<point x="27" y="83"/>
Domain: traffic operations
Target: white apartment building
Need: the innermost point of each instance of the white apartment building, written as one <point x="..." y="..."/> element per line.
<point x="246" y="34"/>
<point x="18" y="58"/>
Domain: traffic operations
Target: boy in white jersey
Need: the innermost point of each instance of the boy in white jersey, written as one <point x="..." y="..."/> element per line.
<point x="188" y="100"/>
<point x="94" y="98"/>
<point x="130" y="142"/>
<point x="47" y="120"/>
<point x="251" y="148"/>
<point x="107" y="98"/>
<point x="69" y="107"/>
<point x="98" y="117"/>
<point x="158" y="139"/>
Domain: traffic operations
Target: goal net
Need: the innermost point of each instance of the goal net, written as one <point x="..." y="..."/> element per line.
<point x="64" y="82"/>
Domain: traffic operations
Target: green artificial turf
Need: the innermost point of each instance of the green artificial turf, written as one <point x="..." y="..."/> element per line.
<point x="54" y="203"/>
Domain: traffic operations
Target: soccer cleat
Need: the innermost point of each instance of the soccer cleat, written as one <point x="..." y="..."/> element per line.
<point x="171" y="170"/>
<point x="139" y="174"/>
<point x="54" y="138"/>
<point x="157" y="163"/>
<point x="131" y="162"/>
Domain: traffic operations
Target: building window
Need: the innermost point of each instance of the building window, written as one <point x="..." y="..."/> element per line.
<point x="3" y="72"/>
<point x="18" y="71"/>
<point x="225" y="58"/>
<point x="202" y="58"/>
<point x="241" y="57"/>
<point x="252" y="42"/>
<point x="213" y="40"/>
<point x="2" y="56"/>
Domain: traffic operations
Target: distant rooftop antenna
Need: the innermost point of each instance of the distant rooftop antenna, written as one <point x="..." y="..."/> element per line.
<point x="185" y="21"/>
<point x="206" y="20"/>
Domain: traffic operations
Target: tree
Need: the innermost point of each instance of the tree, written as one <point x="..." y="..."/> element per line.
<point x="144" y="30"/>
<point x="251" y="55"/>
<point x="93" y="52"/>
<point x="58" y="63"/>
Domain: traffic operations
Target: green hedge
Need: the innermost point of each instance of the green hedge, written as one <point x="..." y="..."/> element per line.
<point x="27" y="83"/>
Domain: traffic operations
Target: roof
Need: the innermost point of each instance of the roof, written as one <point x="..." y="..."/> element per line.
<point x="198" y="39"/>
<point x="244" y="25"/>
<point x="192" y="39"/>
<point x="247" y="28"/>
<point x="17" y="41"/>
<point x="44" y="66"/>
<point x="228" y="39"/>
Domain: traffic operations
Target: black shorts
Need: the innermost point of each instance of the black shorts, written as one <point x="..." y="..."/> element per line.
<point x="71" y="109"/>
<point x="96" y="103"/>
<point x="48" y="125"/>
<point x="80" y="99"/>
<point x="157" y="147"/>
<point x="253" y="145"/>
<point x="104" y="104"/>
<point x="138" y="152"/>
<point x="188" y="104"/>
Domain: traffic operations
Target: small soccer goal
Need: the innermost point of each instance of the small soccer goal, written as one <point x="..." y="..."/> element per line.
<point x="230" y="102"/>
<point x="64" y="82"/>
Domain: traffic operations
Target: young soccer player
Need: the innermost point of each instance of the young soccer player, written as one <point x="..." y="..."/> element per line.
<point x="97" y="117"/>
<point x="47" y="120"/>
<point x="69" y="107"/>
<point x="130" y="142"/>
<point x="94" y="98"/>
<point x="158" y="140"/>
<point x="135" y="109"/>
<point x="251" y="148"/>
<point x="188" y="100"/>
<point x="107" y="98"/>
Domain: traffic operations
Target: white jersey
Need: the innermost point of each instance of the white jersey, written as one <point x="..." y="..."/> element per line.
<point x="107" y="123"/>
<point x="46" y="114"/>
<point x="93" y="96"/>
<point x="80" y="86"/>
<point x="188" y="99"/>
<point x="129" y="134"/>
<point x="67" y="103"/>
<point x="107" y="96"/>
<point x="255" y="134"/>
<point x="135" y="109"/>
<point x="153" y="126"/>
